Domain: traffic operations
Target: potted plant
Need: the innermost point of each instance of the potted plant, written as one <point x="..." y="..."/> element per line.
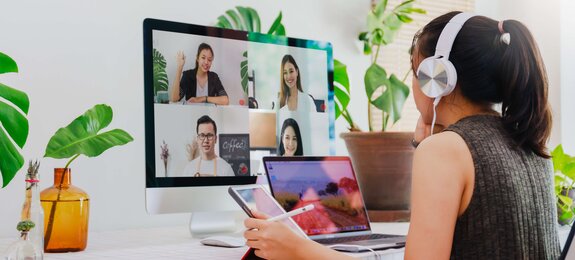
<point x="66" y="207"/>
<point x="564" y="178"/>
<point x="383" y="159"/>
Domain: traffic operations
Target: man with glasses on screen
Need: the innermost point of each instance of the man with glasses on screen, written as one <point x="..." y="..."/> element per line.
<point x="208" y="163"/>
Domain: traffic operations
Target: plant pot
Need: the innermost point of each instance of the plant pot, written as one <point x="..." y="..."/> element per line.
<point x="66" y="213"/>
<point x="382" y="162"/>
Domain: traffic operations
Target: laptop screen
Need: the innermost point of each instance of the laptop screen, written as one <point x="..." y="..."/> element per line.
<point x="327" y="182"/>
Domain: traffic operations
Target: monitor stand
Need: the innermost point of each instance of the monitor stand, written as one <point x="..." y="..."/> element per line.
<point x="203" y="224"/>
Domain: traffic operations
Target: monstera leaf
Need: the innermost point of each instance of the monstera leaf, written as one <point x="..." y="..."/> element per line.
<point x="160" y="75"/>
<point x="394" y="94"/>
<point x="341" y="88"/>
<point x="14" y="106"/>
<point x="248" y="19"/>
<point x="82" y="136"/>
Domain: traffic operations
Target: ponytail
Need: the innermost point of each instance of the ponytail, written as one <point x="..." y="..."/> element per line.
<point x="492" y="69"/>
<point x="523" y="84"/>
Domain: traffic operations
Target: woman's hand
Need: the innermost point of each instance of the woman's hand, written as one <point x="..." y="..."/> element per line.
<point x="423" y="130"/>
<point x="180" y="59"/>
<point x="197" y="100"/>
<point x="271" y="240"/>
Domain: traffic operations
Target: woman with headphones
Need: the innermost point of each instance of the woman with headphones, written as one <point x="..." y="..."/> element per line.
<point x="481" y="187"/>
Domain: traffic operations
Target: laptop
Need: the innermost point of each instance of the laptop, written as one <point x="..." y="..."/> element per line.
<point x="340" y="218"/>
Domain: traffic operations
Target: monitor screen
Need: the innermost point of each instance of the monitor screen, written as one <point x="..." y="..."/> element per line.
<point x="218" y="100"/>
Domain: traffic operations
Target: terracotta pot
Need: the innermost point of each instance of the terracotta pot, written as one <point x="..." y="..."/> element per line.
<point x="382" y="162"/>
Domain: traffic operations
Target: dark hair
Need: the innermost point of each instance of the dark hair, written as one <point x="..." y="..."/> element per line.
<point x="284" y="90"/>
<point x="203" y="46"/>
<point x="291" y="122"/>
<point x="489" y="72"/>
<point x="206" y="120"/>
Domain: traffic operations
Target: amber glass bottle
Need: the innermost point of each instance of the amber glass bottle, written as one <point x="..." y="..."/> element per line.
<point x="66" y="212"/>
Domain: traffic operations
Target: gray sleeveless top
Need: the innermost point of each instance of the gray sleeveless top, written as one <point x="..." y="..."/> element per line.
<point x="512" y="212"/>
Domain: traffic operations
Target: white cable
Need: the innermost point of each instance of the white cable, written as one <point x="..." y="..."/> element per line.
<point x="435" y="102"/>
<point x="375" y="253"/>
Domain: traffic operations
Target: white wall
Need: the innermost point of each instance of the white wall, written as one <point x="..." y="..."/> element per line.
<point x="75" y="54"/>
<point x="567" y="75"/>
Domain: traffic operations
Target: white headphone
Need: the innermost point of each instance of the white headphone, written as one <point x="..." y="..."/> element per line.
<point x="436" y="74"/>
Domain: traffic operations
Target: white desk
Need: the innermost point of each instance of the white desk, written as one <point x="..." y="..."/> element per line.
<point x="176" y="243"/>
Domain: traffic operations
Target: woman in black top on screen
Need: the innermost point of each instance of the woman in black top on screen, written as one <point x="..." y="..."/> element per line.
<point x="198" y="85"/>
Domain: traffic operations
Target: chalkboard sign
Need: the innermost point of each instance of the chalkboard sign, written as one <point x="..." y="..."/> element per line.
<point x="235" y="149"/>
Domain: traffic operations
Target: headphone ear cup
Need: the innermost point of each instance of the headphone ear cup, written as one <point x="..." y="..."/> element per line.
<point x="436" y="76"/>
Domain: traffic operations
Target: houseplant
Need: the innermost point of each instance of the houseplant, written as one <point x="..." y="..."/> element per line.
<point x="383" y="159"/>
<point x="14" y="122"/>
<point x="564" y="179"/>
<point x="66" y="207"/>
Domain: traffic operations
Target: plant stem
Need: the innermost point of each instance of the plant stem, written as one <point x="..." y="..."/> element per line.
<point x="71" y="160"/>
<point x="50" y="225"/>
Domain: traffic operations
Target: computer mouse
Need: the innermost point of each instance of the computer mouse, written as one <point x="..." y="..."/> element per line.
<point x="224" y="241"/>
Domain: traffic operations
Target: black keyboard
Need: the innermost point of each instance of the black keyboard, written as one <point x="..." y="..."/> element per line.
<point x="340" y="240"/>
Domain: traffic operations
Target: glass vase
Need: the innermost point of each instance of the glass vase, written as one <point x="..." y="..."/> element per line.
<point x="32" y="210"/>
<point x="66" y="211"/>
<point x="23" y="249"/>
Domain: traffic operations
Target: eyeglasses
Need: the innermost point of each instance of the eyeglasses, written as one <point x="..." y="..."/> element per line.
<point x="204" y="136"/>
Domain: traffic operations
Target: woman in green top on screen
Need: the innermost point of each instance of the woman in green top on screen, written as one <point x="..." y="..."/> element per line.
<point x="198" y="85"/>
<point x="482" y="187"/>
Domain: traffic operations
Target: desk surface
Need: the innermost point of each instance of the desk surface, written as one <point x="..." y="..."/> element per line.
<point x="177" y="243"/>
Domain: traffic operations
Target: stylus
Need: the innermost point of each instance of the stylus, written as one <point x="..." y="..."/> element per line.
<point x="292" y="213"/>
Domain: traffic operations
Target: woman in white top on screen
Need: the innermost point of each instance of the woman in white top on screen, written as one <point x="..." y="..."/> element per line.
<point x="291" y="143"/>
<point x="292" y="96"/>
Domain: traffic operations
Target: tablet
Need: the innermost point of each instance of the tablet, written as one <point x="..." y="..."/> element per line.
<point x="255" y="197"/>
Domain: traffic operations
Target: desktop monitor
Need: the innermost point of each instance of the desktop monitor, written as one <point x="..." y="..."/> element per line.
<point x="216" y="102"/>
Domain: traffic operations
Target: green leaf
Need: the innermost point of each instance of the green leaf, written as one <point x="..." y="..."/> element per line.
<point x="281" y="31"/>
<point x="373" y="23"/>
<point x="256" y="23"/>
<point x="244" y="75"/>
<point x="403" y="5"/>
<point x="81" y="136"/>
<point x="160" y="77"/>
<point x="363" y="36"/>
<point x="341" y="90"/>
<point x="16" y="97"/>
<point x="7" y="64"/>
<point x="223" y="22"/>
<point x="394" y="94"/>
<point x="246" y="17"/>
<point x="404" y="18"/>
<point x="366" y="48"/>
<point x="11" y="160"/>
<point x="14" y="123"/>
<point x="276" y="25"/>
<point x="237" y="22"/>
<point x="379" y="9"/>
<point x="565" y="200"/>
<point x="375" y="77"/>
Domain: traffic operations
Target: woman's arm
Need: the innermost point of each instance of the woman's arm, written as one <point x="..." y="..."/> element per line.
<point x="442" y="170"/>
<point x="175" y="93"/>
<point x="222" y="101"/>
<point x="274" y="240"/>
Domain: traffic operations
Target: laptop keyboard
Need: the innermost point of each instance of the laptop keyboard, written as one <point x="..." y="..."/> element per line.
<point x="339" y="240"/>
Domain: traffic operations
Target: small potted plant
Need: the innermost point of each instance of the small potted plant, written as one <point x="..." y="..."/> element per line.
<point x="564" y="168"/>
